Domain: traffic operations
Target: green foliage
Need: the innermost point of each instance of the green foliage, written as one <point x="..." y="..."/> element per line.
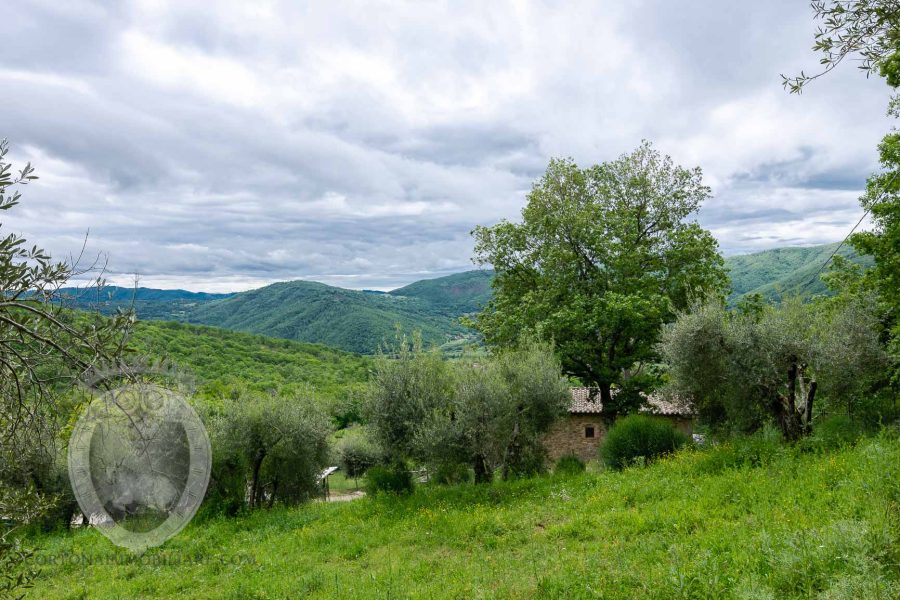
<point x="639" y="437"/>
<point x="19" y="507"/>
<point x="757" y="449"/>
<point x="870" y="30"/>
<point x="351" y="320"/>
<point x="602" y="258"/>
<point x="44" y="350"/>
<point x="406" y="387"/>
<point x="496" y="413"/>
<point x="452" y="473"/>
<point x="266" y="450"/>
<point x="740" y="368"/>
<point x="147" y="303"/>
<point x="834" y="432"/>
<point x="224" y="361"/>
<point x="356" y="453"/>
<point x="805" y="525"/>
<point x="454" y="295"/>
<point x="391" y="479"/>
<point x="569" y="465"/>
<point x="866" y="29"/>
<point x="882" y="200"/>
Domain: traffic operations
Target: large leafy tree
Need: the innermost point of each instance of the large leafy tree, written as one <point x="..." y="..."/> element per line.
<point x="602" y="258"/>
<point x="882" y="202"/>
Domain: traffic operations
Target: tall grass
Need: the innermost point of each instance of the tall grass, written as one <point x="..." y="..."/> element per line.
<point x="763" y="521"/>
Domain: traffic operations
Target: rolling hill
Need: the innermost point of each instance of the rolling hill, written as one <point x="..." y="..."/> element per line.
<point x="347" y="319"/>
<point x="453" y="295"/>
<point x="361" y="321"/>
<point x="783" y="272"/>
<point x="149" y="303"/>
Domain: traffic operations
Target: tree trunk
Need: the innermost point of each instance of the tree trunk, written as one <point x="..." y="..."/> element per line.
<point x="274" y="491"/>
<point x="608" y="411"/>
<point x="254" y="481"/>
<point x="807" y="420"/>
<point x="513" y="451"/>
<point x="482" y="473"/>
<point x="789" y="419"/>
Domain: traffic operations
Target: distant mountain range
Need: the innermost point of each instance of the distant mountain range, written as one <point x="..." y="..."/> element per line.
<point x="361" y="321"/>
<point x="148" y="303"/>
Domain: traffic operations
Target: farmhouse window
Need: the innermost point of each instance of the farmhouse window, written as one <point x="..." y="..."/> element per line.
<point x="588" y="431"/>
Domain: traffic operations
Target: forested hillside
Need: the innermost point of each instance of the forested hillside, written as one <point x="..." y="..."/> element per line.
<point x="783" y="272"/>
<point x="361" y="321"/>
<point x="453" y="295"/>
<point x="218" y="359"/>
<point x="313" y="312"/>
<point x="148" y="303"/>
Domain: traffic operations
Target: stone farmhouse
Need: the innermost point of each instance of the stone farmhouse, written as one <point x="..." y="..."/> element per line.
<point x="582" y="430"/>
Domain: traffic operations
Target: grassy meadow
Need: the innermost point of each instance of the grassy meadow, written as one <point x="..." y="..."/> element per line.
<point x="743" y="520"/>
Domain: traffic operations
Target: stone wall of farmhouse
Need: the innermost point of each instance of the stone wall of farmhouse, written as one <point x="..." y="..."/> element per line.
<point x="568" y="436"/>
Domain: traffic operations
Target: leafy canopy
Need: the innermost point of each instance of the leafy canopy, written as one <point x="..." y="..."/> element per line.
<point x="602" y="258"/>
<point x="867" y="29"/>
<point x="740" y="368"/>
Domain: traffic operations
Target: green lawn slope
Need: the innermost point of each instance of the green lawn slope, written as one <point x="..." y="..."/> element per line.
<point x="801" y="525"/>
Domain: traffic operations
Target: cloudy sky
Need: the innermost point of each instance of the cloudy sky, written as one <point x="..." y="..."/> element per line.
<point x="224" y="145"/>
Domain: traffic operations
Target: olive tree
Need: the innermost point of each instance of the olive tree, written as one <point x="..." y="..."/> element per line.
<point x="408" y="383"/>
<point x="267" y="449"/>
<point x="777" y="362"/>
<point x="497" y="413"/>
<point x="44" y="349"/>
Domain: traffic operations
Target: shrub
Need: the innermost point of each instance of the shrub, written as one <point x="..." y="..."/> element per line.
<point x="452" y="473"/>
<point x="833" y="432"/>
<point x="639" y="436"/>
<point x="569" y="465"/>
<point x="356" y="453"/>
<point x="393" y="479"/>
<point x="752" y="450"/>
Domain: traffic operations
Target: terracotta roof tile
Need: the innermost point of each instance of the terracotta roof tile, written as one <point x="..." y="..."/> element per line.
<point x="584" y="402"/>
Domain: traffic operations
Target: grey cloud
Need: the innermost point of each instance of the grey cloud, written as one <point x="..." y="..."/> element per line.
<point x="207" y="148"/>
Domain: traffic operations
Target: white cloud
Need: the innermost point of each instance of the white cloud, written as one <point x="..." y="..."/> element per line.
<point x="239" y="143"/>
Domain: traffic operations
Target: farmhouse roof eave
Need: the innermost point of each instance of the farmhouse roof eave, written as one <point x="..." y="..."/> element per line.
<point x="584" y="404"/>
